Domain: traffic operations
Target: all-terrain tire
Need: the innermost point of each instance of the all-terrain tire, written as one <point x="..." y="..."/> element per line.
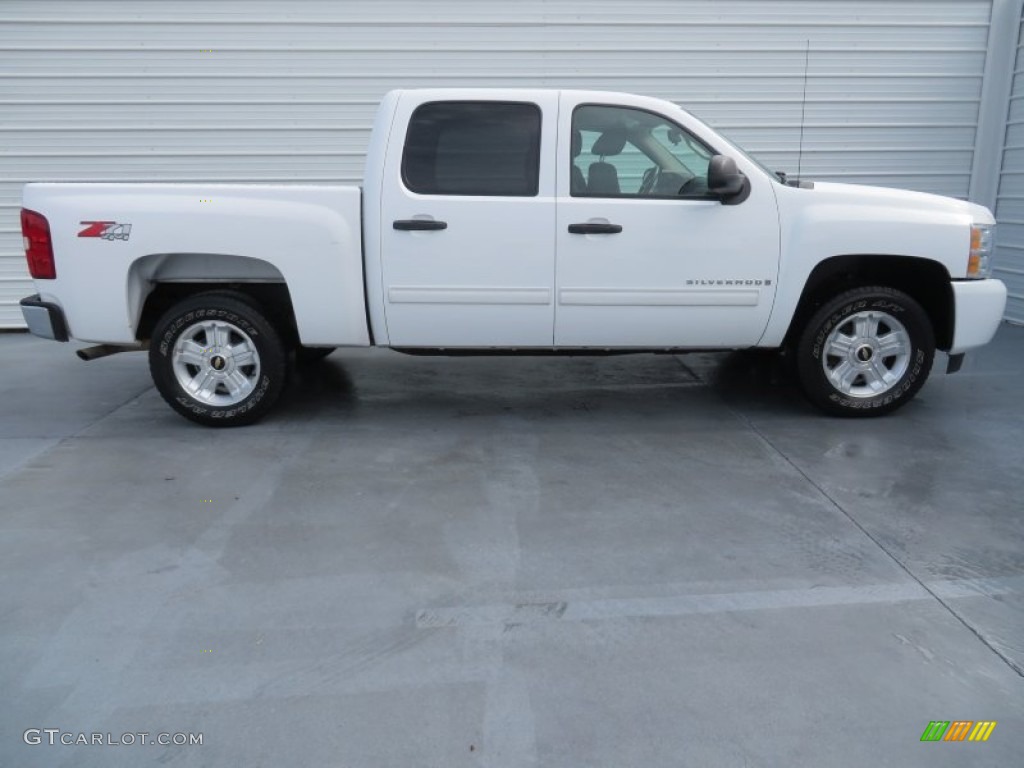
<point x="865" y="352"/>
<point x="217" y="360"/>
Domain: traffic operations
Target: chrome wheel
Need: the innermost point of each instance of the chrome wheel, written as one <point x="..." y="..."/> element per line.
<point x="216" y="363"/>
<point x="866" y="354"/>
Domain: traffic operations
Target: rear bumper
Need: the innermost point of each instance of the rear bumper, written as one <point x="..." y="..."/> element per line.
<point x="979" y="306"/>
<point x="44" y="319"/>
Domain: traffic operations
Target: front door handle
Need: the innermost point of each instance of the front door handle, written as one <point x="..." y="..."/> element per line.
<point x="426" y="225"/>
<point x="594" y="229"/>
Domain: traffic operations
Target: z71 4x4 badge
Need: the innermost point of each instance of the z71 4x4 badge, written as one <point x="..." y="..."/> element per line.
<point x="108" y="230"/>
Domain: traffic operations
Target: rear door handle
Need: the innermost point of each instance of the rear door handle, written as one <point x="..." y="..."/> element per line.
<point x="426" y="225"/>
<point x="594" y="229"/>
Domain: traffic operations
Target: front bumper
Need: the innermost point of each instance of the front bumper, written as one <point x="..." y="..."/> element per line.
<point x="979" y="306"/>
<point x="44" y="319"/>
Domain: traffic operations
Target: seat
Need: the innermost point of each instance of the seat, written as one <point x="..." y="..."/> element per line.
<point x="577" y="182"/>
<point x="603" y="178"/>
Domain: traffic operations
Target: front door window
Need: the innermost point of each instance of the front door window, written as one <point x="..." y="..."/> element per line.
<point x="623" y="152"/>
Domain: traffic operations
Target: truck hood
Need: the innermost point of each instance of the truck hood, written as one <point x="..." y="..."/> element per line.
<point x="856" y="194"/>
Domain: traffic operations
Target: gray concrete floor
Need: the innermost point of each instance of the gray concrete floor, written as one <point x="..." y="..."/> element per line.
<point x="638" y="561"/>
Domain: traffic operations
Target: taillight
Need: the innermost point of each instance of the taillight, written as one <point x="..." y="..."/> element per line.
<point x="35" y="229"/>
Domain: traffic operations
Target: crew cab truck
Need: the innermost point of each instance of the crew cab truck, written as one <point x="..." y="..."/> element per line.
<point x="527" y="221"/>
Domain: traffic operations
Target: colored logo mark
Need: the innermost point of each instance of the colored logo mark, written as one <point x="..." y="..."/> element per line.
<point x="958" y="730"/>
<point x="108" y="230"/>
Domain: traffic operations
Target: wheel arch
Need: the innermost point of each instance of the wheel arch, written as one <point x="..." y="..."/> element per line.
<point x="158" y="281"/>
<point x="926" y="281"/>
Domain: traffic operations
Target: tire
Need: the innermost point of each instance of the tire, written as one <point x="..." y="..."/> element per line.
<point x="217" y="360"/>
<point x="311" y="355"/>
<point x="865" y="352"/>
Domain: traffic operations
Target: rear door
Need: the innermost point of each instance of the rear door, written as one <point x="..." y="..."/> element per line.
<point x="467" y="220"/>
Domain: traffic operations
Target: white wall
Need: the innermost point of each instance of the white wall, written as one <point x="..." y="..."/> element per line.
<point x="1009" y="262"/>
<point x="258" y="90"/>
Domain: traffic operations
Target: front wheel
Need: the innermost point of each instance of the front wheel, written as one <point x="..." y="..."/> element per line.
<point x="865" y="352"/>
<point x="217" y="360"/>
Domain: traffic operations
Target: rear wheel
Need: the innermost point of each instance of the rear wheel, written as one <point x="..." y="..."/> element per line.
<point x="217" y="360"/>
<point x="865" y="352"/>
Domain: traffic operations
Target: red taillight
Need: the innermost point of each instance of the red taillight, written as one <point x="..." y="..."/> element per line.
<point x="38" y="248"/>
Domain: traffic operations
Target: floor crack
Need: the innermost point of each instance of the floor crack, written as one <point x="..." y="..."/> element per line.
<point x="1006" y="660"/>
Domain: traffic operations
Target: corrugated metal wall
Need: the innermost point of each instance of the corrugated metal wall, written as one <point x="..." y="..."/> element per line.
<point x="1009" y="261"/>
<point x="265" y="90"/>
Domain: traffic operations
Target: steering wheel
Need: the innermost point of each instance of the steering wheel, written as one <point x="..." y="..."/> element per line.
<point x="650" y="179"/>
<point x="695" y="187"/>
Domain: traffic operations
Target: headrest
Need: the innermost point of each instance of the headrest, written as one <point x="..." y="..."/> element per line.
<point x="577" y="143"/>
<point x="611" y="142"/>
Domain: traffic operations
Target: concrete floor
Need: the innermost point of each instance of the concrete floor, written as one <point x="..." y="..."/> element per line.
<point x="640" y="561"/>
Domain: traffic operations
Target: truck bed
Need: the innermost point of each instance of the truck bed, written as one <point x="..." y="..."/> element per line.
<point x="308" y="237"/>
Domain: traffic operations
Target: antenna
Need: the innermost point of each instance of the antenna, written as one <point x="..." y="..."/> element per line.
<point x="803" y="115"/>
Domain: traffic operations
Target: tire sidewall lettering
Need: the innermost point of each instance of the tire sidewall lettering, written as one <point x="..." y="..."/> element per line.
<point x="246" y="405"/>
<point x="831" y="314"/>
<point x="836" y="318"/>
<point x="272" y="355"/>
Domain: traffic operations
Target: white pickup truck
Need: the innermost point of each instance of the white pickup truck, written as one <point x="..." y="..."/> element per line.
<point x="526" y="221"/>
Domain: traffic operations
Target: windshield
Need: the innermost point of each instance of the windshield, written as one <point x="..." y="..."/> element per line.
<point x="739" y="150"/>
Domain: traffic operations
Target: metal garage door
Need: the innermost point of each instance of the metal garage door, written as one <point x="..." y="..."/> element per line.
<point x="1009" y="261"/>
<point x="264" y="90"/>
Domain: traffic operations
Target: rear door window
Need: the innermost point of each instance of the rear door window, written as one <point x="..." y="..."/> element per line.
<point x="480" y="148"/>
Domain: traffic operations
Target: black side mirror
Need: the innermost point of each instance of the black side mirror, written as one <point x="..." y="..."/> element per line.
<point x="725" y="180"/>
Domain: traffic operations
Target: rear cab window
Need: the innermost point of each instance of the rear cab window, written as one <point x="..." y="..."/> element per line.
<point x="476" y="148"/>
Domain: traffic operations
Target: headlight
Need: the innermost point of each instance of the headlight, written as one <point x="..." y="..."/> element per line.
<point x="979" y="262"/>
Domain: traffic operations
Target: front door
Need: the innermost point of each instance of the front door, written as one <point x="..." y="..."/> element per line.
<point x="468" y="216"/>
<point x="645" y="257"/>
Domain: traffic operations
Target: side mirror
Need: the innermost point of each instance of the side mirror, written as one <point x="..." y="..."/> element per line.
<point x="724" y="179"/>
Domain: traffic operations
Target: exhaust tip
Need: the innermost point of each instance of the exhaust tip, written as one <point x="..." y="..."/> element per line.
<point x="105" y="350"/>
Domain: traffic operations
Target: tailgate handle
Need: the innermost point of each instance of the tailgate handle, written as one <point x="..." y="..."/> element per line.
<point x="426" y="225"/>
<point x="595" y="229"/>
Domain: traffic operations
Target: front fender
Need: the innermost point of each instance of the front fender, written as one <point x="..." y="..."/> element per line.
<point x="833" y="220"/>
